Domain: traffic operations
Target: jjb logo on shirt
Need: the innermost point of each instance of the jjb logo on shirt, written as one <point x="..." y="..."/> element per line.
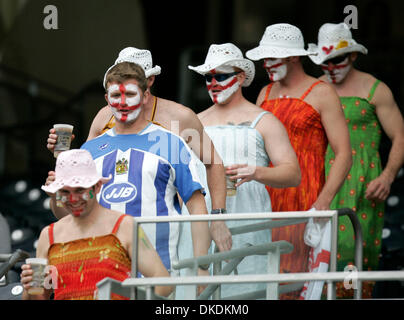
<point x="119" y="193"/>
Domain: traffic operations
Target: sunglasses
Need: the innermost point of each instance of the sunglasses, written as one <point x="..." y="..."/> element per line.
<point x="336" y="60"/>
<point x="220" y="76"/>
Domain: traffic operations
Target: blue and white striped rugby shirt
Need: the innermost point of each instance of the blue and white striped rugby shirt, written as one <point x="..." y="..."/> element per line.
<point x="148" y="169"/>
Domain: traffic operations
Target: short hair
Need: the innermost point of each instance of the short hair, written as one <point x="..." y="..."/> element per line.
<point x="127" y="70"/>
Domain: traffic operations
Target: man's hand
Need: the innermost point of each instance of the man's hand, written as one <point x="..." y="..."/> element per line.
<point x="26" y="276"/>
<point x="379" y="188"/>
<point x="221" y="235"/>
<point x="321" y="204"/>
<point x="52" y="138"/>
<point x="243" y="172"/>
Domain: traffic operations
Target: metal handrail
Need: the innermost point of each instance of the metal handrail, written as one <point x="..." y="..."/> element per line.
<point x="330" y="277"/>
<point x="241" y="216"/>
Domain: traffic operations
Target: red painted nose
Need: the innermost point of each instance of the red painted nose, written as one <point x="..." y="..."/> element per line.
<point x="73" y="198"/>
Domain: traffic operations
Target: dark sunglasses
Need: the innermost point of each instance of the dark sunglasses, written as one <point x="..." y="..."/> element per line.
<point x="337" y="60"/>
<point x="220" y="76"/>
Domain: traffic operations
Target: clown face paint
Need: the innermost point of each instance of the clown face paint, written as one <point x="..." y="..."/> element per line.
<point x="221" y="91"/>
<point x="276" y="69"/>
<point x="336" y="72"/>
<point x="124" y="101"/>
<point x="74" y="202"/>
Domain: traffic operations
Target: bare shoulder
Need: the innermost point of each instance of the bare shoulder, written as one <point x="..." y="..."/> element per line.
<point x="324" y="88"/>
<point x="382" y="95"/>
<point x="205" y="114"/>
<point x="125" y="231"/>
<point x="43" y="243"/>
<point x="323" y="97"/>
<point x="104" y="114"/>
<point x="99" y="122"/>
<point x="176" y="111"/>
<point x="261" y="95"/>
<point x="187" y="118"/>
<point x="270" y="123"/>
<point x="44" y="235"/>
<point x="114" y="216"/>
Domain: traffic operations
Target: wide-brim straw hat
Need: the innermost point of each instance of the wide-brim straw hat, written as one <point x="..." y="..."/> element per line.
<point x="226" y="54"/>
<point x="139" y="56"/>
<point x="280" y="40"/>
<point x="334" y="40"/>
<point x="75" y="168"/>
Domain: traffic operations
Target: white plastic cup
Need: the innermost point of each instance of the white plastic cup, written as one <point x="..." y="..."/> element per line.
<point x="64" y="133"/>
<point x="38" y="266"/>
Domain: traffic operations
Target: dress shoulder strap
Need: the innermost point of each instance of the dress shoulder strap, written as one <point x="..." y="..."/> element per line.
<point x="109" y="125"/>
<point x="269" y="87"/>
<point x="118" y="223"/>
<point x="373" y="89"/>
<point x="154" y="110"/>
<point x="50" y="234"/>
<point x="309" y="89"/>
<point x="258" y="118"/>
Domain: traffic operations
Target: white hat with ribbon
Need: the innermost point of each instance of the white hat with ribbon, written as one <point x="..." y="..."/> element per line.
<point x="334" y="40"/>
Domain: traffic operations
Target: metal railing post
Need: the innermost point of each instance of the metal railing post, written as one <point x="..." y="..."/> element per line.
<point x="358" y="246"/>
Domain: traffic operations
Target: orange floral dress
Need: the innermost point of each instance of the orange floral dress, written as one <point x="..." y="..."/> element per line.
<point x="308" y="138"/>
<point x="82" y="263"/>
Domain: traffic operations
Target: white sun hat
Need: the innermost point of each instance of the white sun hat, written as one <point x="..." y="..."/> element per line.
<point x="138" y="56"/>
<point x="75" y="168"/>
<point x="334" y="40"/>
<point x="226" y="54"/>
<point x="280" y="40"/>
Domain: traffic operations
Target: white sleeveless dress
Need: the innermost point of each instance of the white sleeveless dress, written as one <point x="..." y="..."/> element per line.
<point x="239" y="144"/>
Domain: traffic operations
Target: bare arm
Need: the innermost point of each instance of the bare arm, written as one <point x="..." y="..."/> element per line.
<point x="149" y="262"/>
<point x="26" y="271"/>
<point x="285" y="171"/>
<point x="192" y="131"/>
<point x="200" y="232"/>
<point x="201" y="238"/>
<point x="392" y="122"/>
<point x="334" y="123"/>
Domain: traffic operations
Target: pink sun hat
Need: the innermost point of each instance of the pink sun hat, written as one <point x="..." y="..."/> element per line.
<point x="75" y="168"/>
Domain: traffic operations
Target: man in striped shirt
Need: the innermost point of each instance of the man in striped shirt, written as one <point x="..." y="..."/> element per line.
<point x="148" y="164"/>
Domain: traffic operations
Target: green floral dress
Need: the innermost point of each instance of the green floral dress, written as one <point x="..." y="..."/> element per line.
<point x="365" y="133"/>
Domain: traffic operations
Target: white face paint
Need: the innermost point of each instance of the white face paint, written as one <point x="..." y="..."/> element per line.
<point x="336" y="72"/>
<point x="221" y="91"/>
<point x="124" y="101"/>
<point x="276" y="69"/>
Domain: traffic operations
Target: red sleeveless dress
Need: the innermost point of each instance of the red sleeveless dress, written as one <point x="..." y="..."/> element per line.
<point x="308" y="138"/>
<point x="82" y="263"/>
